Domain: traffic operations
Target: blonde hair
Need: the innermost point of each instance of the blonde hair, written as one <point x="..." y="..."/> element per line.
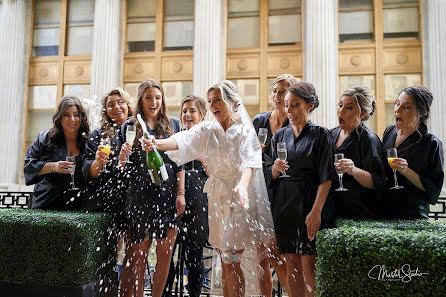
<point x="229" y="95"/>
<point x="107" y="124"/>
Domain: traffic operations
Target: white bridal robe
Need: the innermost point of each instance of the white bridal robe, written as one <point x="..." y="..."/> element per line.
<point x="227" y="153"/>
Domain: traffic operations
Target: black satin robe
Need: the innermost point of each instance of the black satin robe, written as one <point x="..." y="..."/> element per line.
<point x="364" y="148"/>
<point x="108" y="192"/>
<point x="194" y="220"/>
<point x="262" y="121"/>
<point x="424" y="155"/>
<point x="150" y="208"/>
<point x="51" y="190"/>
<point x="310" y="160"/>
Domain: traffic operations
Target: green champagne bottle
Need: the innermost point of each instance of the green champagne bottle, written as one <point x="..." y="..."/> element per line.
<point x="155" y="164"/>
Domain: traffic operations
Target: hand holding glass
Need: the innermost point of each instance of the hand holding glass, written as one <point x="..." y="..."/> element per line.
<point x="282" y="154"/>
<point x="72" y="159"/>
<point x="106" y="148"/>
<point x="392" y="154"/>
<point x="130" y="135"/>
<point x="263" y="134"/>
<point x="337" y="158"/>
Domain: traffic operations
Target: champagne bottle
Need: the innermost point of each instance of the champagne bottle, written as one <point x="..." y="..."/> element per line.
<point x="155" y="163"/>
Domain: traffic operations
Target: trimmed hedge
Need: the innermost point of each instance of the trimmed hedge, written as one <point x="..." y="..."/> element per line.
<point x="349" y="254"/>
<point x="55" y="248"/>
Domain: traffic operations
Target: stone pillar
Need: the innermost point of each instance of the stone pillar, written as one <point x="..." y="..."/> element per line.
<point x="209" y="44"/>
<point x="13" y="76"/>
<point x="434" y="62"/>
<point x="320" y="60"/>
<point x="106" y="56"/>
<point x="434" y="65"/>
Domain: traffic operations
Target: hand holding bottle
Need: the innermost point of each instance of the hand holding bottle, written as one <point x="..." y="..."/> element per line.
<point x="155" y="163"/>
<point x="148" y="143"/>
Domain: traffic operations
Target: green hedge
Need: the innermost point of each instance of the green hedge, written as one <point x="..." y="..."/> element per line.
<point x="55" y="248"/>
<point x="347" y="254"/>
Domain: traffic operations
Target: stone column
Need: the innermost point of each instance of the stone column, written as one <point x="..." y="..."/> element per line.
<point x="106" y="56"/>
<point x="320" y="60"/>
<point x="14" y="56"/>
<point x="209" y="44"/>
<point x="434" y="65"/>
<point x="434" y="62"/>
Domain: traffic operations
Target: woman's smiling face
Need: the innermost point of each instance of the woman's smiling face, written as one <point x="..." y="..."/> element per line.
<point x="152" y="100"/>
<point x="190" y="114"/>
<point x="218" y="107"/>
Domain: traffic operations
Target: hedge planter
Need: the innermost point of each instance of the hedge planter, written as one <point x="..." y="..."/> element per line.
<point x="47" y="253"/>
<point x="382" y="258"/>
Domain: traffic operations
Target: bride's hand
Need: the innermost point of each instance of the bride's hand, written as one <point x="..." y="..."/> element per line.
<point x="242" y="192"/>
<point x="148" y="144"/>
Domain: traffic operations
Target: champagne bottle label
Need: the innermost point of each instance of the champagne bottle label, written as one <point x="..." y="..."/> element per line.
<point x="164" y="175"/>
<point x="151" y="176"/>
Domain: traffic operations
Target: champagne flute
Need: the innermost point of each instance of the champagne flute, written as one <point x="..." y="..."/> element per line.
<point x="72" y="159"/>
<point x="105" y="147"/>
<point x="130" y="135"/>
<point x="262" y="136"/>
<point x="338" y="157"/>
<point x="392" y="154"/>
<point x="282" y="154"/>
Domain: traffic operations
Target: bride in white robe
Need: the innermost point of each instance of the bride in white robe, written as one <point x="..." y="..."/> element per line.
<point x="239" y="215"/>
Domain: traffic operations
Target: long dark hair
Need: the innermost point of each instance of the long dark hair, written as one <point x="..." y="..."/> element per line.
<point x="56" y="134"/>
<point x="162" y="122"/>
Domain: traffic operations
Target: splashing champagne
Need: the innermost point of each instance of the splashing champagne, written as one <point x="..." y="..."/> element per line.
<point x="155" y="163"/>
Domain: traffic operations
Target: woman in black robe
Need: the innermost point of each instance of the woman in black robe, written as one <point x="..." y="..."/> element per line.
<point x="152" y="210"/>
<point x="300" y="198"/>
<point x="194" y="231"/>
<point x="419" y="166"/>
<point x="362" y="165"/>
<point x="107" y="191"/>
<point x="45" y="160"/>
<point x="272" y="121"/>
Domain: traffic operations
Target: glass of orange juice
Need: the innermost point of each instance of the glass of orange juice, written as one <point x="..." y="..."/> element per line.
<point x="106" y="148"/>
<point x="391" y="155"/>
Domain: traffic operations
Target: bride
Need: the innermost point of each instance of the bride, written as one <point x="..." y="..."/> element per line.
<point x="239" y="214"/>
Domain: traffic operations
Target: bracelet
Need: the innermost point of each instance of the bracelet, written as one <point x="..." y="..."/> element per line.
<point x="180" y="192"/>
<point x="53" y="168"/>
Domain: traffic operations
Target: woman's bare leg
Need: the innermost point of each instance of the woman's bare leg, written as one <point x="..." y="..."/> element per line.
<point x="296" y="283"/>
<point x="235" y="281"/>
<point x="279" y="264"/>
<point x="133" y="268"/>
<point x="266" y="281"/>
<point x="164" y="249"/>
<point x="309" y="269"/>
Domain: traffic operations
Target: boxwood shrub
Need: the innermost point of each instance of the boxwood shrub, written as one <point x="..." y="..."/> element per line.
<point x="55" y="248"/>
<point x="373" y="258"/>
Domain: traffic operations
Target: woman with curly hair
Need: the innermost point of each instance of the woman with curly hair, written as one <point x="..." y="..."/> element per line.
<point x="45" y="161"/>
